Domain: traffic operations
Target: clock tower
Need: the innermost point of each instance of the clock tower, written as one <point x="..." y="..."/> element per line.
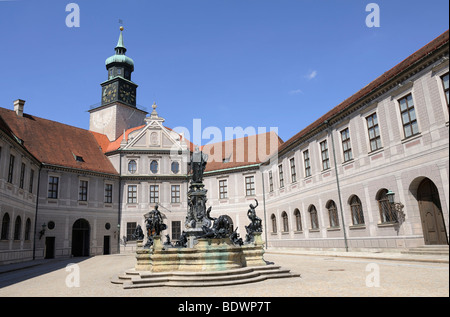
<point x="117" y="110"/>
<point x="119" y="86"/>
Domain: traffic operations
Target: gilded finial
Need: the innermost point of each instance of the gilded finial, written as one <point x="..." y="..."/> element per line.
<point x="121" y="28"/>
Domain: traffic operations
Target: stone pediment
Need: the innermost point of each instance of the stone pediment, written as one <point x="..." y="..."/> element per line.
<point x="154" y="136"/>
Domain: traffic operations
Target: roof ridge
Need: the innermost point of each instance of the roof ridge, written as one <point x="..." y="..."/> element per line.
<point x="424" y="51"/>
<point x="44" y="119"/>
<point x="244" y="137"/>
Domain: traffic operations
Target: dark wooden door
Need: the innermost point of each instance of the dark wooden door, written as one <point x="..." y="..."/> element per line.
<point x="431" y="213"/>
<point x="80" y="238"/>
<point x="49" y="247"/>
<point x="106" y="245"/>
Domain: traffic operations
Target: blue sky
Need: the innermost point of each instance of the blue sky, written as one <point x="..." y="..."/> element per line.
<point x="248" y="63"/>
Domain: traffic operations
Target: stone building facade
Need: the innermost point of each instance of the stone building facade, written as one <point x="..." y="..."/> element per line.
<point x="328" y="186"/>
<point x="393" y="138"/>
<point x="76" y="192"/>
<point x="58" y="191"/>
<point x="18" y="196"/>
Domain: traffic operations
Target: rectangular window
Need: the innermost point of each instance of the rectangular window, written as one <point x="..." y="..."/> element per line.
<point x="346" y="145"/>
<point x="53" y="183"/>
<point x="408" y="114"/>
<point x="175" y="197"/>
<point x="131" y="228"/>
<point x="374" y="132"/>
<point x="82" y="194"/>
<point x="446" y="87"/>
<point x="22" y="176"/>
<point x="30" y="186"/>
<point x="270" y="181"/>
<point x="280" y="173"/>
<point x="11" y="168"/>
<point x="132" y="194"/>
<point x="307" y="163"/>
<point x="250" y="186"/>
<point x="108" y="193"/>
<point x="223" y="189"/>
<point x="293" y="173"/>
<point x="324" y="154"/>
<point x="176" y="230"/>
<point x="154" y="194"/>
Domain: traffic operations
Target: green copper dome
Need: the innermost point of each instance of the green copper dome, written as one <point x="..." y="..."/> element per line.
<point x="120" y="56"/>
<point x="120" y="59"/>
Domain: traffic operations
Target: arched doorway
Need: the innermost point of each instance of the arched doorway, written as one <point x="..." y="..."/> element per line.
<point x="431" y="213"/>
<point x="80" y="238"/>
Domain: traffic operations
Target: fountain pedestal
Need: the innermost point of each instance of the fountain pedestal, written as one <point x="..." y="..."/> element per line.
<point x="206" y="255"/>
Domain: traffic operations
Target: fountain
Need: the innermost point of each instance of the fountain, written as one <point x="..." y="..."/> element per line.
<point x="209" y="252"/>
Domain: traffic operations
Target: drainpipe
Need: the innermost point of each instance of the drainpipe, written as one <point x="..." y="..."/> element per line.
<point x="120" y="203"/>
<point x="338" y="186"/>
<point x="264" y="204"/>
<point x="36" y="213"/>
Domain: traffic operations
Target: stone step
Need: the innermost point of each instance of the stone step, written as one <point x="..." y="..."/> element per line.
<point x="208" y="273"/>
<point x="426" y="252"/>
<point x="195" y="279"/>
<point x="201" y="283"/>
<point x="429" y="250"/>
<point x="202" y="279"/>
<point x="438" y="246"/>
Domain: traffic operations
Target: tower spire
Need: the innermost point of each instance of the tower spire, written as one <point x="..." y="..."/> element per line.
<point x="120" y="48"/>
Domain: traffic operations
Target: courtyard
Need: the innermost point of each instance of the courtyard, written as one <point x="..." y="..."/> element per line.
<point x="321" y="275"/>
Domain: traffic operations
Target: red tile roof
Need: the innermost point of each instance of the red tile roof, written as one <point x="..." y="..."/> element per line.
<point x="108" y="146"/>
<point x="58" y="144"/>
<point x="437" y="43"/>
<point x="242" y="151"/>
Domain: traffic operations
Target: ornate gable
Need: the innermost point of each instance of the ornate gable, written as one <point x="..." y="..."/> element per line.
<point x="154" y="136"/>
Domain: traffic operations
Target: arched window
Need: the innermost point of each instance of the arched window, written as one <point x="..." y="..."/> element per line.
<point x="298" y="220"/>
<point x="5" y="227"/>
<point x="27" y="229"/>
<point x="357" y="211"/>
<point x="175" y="167"/>
<point x="313" y="215"/>
<point x="132" y="166"/>
<point x="387" y="213"/>
<point x="154" y="167"/>
<point x="17" y="228"/>
<point x="332" y="213"/>
<point x="284" y="217"/>
<point x="274" y="223"/>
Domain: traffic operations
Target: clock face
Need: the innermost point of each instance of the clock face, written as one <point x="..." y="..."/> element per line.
<point x="127" y="94"/>
<point x="109" y="93"/>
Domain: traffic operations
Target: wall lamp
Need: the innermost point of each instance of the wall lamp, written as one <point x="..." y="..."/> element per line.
<point x="116" y="233"/>
<point x="42" y="232"/>
<point x="396" y="206"/>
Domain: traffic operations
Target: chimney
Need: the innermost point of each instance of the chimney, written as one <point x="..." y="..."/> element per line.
<point x="18" y="107"/>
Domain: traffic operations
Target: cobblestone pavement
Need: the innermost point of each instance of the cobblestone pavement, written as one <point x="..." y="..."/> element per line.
<point x="324" y="276"/>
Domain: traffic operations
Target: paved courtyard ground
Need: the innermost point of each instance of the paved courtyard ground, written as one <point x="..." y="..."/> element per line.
<point x="321" y="276"/>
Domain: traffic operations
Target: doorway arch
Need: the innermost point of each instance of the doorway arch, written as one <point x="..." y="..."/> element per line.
<point x="431" y="216"/>
<point x="80" y="237"/>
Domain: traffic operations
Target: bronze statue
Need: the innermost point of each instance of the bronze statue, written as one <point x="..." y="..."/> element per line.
<point x="154" y="225"/>
<point x="197" y="165"/>
<point x="234" y="237"/>
<point x="138" y="233"/>
<point x="255" y="223"/>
